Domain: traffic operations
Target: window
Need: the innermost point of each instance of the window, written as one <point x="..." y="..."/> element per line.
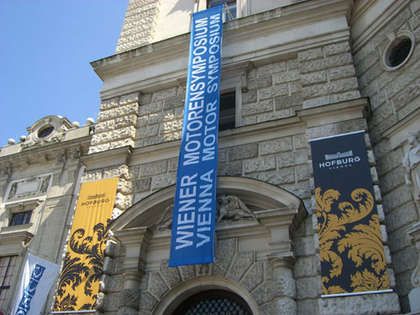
<point x="7" y="268"/>
<point x="45" y="131"/>
<point x="398" y="51"/>
<point x="227" y="111"/>
<point x="230" y="7"/>
<point x="20" y="218"/>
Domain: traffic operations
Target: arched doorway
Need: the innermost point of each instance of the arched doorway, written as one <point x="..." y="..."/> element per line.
<point x="213" y="302"/>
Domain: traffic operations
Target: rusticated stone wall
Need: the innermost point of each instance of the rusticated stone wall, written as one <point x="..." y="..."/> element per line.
<point x="394" y="96"/>
<point x="138" y="24"/>
<point x="319" y="76"/>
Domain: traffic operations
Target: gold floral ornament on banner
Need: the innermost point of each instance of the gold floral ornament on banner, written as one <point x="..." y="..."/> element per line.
<point x="351" y="249"/>
<point x="78" y="284"/>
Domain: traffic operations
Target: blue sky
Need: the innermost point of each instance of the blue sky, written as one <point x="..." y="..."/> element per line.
<point x="45" y="50"/>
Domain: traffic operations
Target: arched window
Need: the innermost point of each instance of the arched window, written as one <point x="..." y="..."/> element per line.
<point x="213" y="302"/>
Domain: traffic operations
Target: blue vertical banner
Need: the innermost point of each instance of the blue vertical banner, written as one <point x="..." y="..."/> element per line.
<point x="194" y="213"/>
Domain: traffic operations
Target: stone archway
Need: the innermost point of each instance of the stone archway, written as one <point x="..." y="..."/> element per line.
<point x="254" y="255"/>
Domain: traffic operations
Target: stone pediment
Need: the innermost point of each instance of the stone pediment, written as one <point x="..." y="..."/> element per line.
<point x="50" y="129"/>
<point x="240" y="201"/>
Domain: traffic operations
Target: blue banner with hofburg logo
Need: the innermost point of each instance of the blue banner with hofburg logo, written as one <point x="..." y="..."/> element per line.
<point x="350" y="241"/>
<point x="193" y="216"/>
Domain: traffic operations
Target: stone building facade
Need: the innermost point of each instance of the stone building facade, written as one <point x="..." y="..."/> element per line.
<point x="299" y="70"/>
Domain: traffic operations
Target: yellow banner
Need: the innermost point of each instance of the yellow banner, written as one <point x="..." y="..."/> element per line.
<point x="79" y="279"/>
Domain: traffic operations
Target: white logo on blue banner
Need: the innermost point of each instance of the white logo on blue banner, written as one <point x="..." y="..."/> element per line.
<point x="193" y="224"/>
<point x="37" y="279"/>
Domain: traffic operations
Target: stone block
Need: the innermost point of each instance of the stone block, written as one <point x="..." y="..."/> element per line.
<point x="282" y="77"/>
<point x="336" y="48"/>
<point x="290" y="158"/>
<point x="249" y="97"/>
<point x="310" y="54"/>
<point x="118" y="112"/>
<point x="279" y="177"/>
<point x="337" y="86"/>
<point x="304" y="246"/>
<point x="259" y="164"/>
<point x="148" y="131"/>
<point x="336" y="128"/>
<point x="292" y="64"/>
<point x="126" y="132"/>
<point x="396" y="197"/>
<point x="275" y="115"/>
<point x="399" y="239"/>
<point x="157" y="286"/>
<point x="314" y="77"/>
<point x="145" y="98"/>
<point x="300" y="141"/>
<point x="171" y="275"/>
<point x="341" y="72"/>
<point x="275" y="146"/>
<point x="303" y="172"/>
<point x="309" y="287"/>
<point x="255" y="108"/>
<point x="121" y="143"/>
<point x="263" y="82"/>
<point x="287" y="101"/>
<point x="325" y="63"/>
<point x="271" y="68"/>
<point x="171" y="126"/>
<point x="129" y="98"/>
<point x="153" y="168"/>
<point x="409" y="93"/>
<point x="307" y="266"/>
<point x="162" y="181"/>
<point x="154" y="107"/>
<point x="392" y="180"/>
<point x="109" y="103"/>
<point x="241" y="263"/>
<point x="404" y="285"/>
<point x="173" y="102"/>
<point x="164" y="94"/>
<point x="301" y="189"/>
<point x="230" y="168"/>
<point x="308" y="306"/>
<point x="389" y="161"/>
<point x="241" y="152"/>
<point x="254" y="276"/>
<point x="142" y="185"/>
<point x="371" y="304"/>
<point x="403" y="260"/>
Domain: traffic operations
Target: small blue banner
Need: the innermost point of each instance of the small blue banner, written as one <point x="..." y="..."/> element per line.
<point x="194" y="213"/>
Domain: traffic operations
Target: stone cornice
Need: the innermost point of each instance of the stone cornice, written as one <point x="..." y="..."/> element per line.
<point x="107" y="158"/>
<point x="171" y="54"/>
<point x="45" y="152"/>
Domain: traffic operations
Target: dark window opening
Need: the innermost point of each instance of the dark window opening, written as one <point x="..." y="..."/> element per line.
<point x="7" y="268"/>
<point x="227" y="111"/>
<point x="229" y="7"/>
<point x="20" y="218"/>
<point x="45" y="131"/>
<point x="214" y="302"/>
<point x="398" y="51"/>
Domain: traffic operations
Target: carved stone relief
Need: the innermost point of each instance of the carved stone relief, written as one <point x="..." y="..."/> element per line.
<point x="29" y="187"/>
<point x="229" y="208"/>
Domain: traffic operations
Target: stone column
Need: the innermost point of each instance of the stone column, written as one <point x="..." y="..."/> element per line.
<point x="284" y="285"/>
<point x="130" y="295"/>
